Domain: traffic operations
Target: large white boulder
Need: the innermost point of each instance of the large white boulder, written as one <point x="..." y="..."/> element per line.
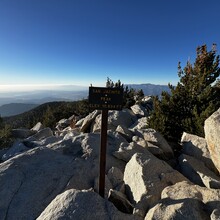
<point x="17" y="148"/>
<point x="168" y="209"/>
<point x="145" y="177"/>
<point x="212" y="136"/>
<point x="86" y="122"/>
<point x="127" y="150"/>
<point x="63" y="123"/>
<point x="22" y="133"/>
<point x="87" y="147"/>
<point x="78" y="169"/>
<point x="154" y="137"/>
<point x="84" y="204"/>
<point x="124" y="118"/>
<point x="30" y="181"/>
<point x="37" y="127"/>
<point x="70" y="146"/>
<point x="141" y="123"/>
<point x="182" y="191"/>
<point x="41" y="134"/>
<point x="139" y="110"/>
<point x="125" y="132"/>
<point x="197" y="172"/>
<point x="197" y="147"/>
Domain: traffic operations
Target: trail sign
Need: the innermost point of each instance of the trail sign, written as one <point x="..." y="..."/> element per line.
<point x="104" y="99"/>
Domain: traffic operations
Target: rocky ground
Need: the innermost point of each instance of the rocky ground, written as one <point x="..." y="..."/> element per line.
<point x="54" y="175"/>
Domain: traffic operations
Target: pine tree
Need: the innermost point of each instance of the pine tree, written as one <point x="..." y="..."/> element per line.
<point x="5" y="136"/>
<point x="48" y="118"/>
<point x="193" y="99"/>
<point x="130" y="96"/>
<point x="1" y="121"/>
<point x="217" y="85"/>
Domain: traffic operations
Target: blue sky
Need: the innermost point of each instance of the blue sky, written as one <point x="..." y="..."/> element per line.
<point x="85" y="41"/>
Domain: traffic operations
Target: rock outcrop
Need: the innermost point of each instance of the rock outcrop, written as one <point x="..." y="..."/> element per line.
<point x="198" y="173"/>
<point x="31" y="180"/>
<point x="53" y="174"/>
<point x="85" y="204"/>
<point x="197" y="147"/>
<point x="145" y="177"/>
<point x="212" y="136"/>
<point x="184" y="191"/>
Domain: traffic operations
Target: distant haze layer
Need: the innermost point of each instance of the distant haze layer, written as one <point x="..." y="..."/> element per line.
<point x="32" y="87"/>
<point x="50" y="93"/>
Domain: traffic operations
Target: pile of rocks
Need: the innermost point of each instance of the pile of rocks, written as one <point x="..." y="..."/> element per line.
<point x="54" y="175"/>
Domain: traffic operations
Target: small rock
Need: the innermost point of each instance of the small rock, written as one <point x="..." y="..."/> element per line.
<point x="139" y="110"/>
<point x="115" y="176"/>
<point x="17" y="148"/>
<point x="120" y="201"/>
<point x="37" y="127"/>
<point x="108" y="185"/>
<point x="154" y="137"/>
<point x="22" y="133"/>
<point x="42" y="134"/>
<point x="125" y="132"/>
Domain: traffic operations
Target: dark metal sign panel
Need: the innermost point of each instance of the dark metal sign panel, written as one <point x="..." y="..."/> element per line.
<point x="105" y="98"/>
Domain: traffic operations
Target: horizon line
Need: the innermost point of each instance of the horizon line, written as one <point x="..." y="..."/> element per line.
<point x="38" y="87"/>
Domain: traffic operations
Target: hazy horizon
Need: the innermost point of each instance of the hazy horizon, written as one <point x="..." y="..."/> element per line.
<point x="49" y="93"/>
<point x="55" y="87"/>
<point x="38" y="87"/>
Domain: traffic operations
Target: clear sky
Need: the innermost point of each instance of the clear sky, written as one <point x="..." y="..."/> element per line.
<point x="85" y="41"/>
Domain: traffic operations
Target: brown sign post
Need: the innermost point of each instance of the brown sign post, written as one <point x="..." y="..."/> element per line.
<point x="104" y="99"/>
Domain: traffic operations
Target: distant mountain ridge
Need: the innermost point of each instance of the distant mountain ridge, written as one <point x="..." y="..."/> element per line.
<point x="15" y="109"/>
<point x="42" y="96"/>
<point x="59" y="110"/>
<point x="14" y="104"/>
<point x="150" y="89"/>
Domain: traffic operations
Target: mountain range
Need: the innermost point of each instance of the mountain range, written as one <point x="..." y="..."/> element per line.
<point x="13" y="103"/>
<point x="150" y="89"/>
<point x="15" y="108"/>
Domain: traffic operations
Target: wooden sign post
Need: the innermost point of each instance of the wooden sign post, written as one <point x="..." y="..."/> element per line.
<point x="104" y="99"/>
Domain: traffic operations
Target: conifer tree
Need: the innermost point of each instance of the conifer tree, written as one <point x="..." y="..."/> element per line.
<point x="48" y="118"/>
<point x="1" y="121"/>
<point x="130" y="96"/>
<point x="195" y="98"/>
